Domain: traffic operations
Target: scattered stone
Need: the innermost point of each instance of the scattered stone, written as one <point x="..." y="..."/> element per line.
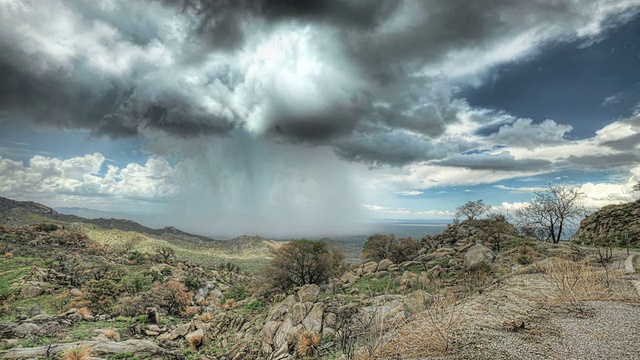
<point x="628" y="265"/>
<point x="26" y="329"/>
<point x="349" y="278"/>
<point x="152" y="315"/>
<point x="30" y="291"/>
<point x="195" y="338"/>
<point x="370" y="267"/>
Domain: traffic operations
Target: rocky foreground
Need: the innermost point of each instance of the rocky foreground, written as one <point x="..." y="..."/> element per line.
<point x="456" y="296"/>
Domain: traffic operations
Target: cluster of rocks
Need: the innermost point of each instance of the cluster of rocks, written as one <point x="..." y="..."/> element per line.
<point x="612" y="222"/>
<point x="463" y="255"/>
<point x="34" y="325"/>
<point x="142" y="349"/>
<point x="36" y="282"/>
<point x="290" y="317"/>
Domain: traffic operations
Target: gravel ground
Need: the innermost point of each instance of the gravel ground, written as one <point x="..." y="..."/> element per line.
<point x="607" y="330"/>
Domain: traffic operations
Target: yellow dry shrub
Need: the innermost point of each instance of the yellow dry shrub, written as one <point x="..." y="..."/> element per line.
<point x="76" y="353"/>
<point x="307" y="343"/>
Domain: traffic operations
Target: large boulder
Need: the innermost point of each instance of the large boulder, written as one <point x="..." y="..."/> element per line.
<point x="478" y="255"/>
<point x="384" y="264"/>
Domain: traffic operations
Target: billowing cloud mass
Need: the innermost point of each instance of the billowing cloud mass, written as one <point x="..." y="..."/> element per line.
<point x="256" y="107"/>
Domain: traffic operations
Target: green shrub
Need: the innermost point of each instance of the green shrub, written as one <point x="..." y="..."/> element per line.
<point x="254" y="306"/>
<point x="192" y="284"/>
<point x="236" y="292"/>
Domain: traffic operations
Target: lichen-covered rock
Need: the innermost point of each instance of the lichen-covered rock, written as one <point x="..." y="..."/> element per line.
<point x="309" y="293"/>
<point x="313" y="320"/>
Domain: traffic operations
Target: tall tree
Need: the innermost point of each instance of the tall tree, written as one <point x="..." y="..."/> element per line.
<point x="551" y="211"/>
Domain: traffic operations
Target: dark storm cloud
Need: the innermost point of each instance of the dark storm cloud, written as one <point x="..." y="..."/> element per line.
<point x="603" y="161"/>
<point x="498" y="162"/>
<point x="356" y="75"/>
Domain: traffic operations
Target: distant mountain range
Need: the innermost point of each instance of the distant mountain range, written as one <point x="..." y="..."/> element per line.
<point x="15" y="213"/>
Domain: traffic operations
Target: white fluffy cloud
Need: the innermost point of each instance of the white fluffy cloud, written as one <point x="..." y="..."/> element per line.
<point x="64" y="179"/>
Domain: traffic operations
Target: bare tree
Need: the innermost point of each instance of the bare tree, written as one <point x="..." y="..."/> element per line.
<point x="494" y="228"/>
<point x="472" y="209"/>
<point x="551" y="211"/>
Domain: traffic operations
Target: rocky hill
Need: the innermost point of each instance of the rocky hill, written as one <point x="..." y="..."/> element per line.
<point x="613" y="222"/>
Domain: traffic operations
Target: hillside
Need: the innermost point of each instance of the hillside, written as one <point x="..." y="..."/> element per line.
<point x="248" y="251"/>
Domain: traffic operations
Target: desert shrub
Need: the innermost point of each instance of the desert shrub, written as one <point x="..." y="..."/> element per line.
<point x="112" y="334"/>
<point x="195" y="341"/>
<point x="236" y="292"/>
<point x="166" y="253"/>
<point x="230" y="267"/>
<point x="136" y="283"/>
<point x="432" y="332"/>
<point x="46" y="227"/>
<point x="378" y="247"/>
<point x="172" y="296"/>
<point x="100" y="295"/>
<point x="129" y="305"/>
<point x="301" y="262"/>
<point x="192" y="283"/>
<point x="254" y="306"/>
<point x="573" y="283"/>
<point x="229" y="304"/>
<point x="206" y="317"/>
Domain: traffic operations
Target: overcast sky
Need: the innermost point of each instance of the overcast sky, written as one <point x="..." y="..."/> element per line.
<point x="290" y="118"/>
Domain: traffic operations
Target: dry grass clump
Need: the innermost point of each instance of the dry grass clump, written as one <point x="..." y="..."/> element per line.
<point x="195" y="341"/>
<point x="206" y="317"/>
<point x="112" y="334"/>
<point x="229" y="304"/>
<point x="84" y="312"/>
<point x="307" y="343"/>
<point x="192" y="311"/>
<point x="76" y="353"/>
<point x="435" y="331"/>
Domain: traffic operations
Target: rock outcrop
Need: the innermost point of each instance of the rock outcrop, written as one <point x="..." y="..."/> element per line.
<point x="612" y="221"/>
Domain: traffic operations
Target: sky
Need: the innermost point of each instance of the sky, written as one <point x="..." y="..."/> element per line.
<point x="291" y="118"/>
